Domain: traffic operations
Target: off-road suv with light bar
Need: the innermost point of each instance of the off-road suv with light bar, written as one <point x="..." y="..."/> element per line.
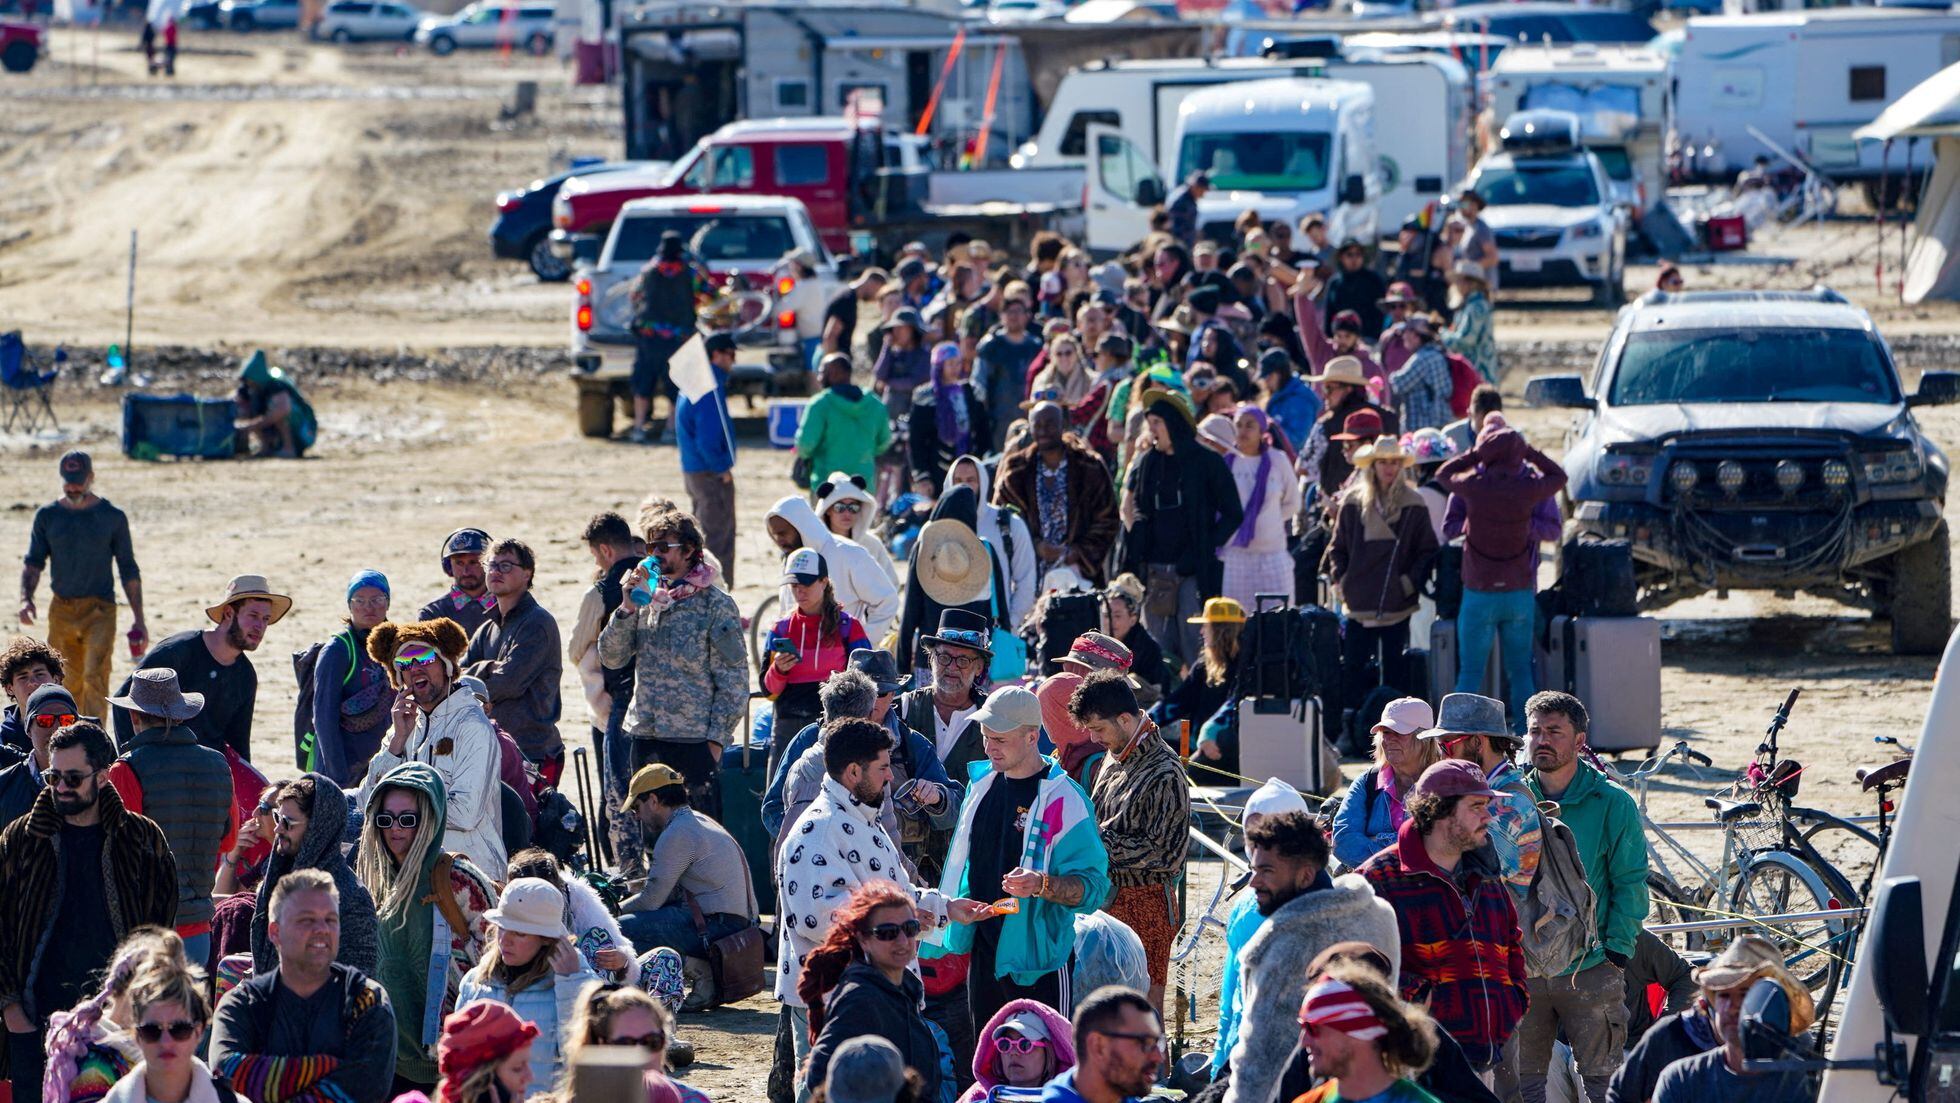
<point x="1762" y="441"/>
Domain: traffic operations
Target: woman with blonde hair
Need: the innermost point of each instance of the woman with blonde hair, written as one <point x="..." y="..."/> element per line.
<point x="91" y="1047"/>
<point x="531" y="967"/>
<point x="1066" y="372"/>
<point x="609" y="1015"/>
<point x="169" y="1014"/>
<point x="1382" y="536"/>
<point x="1208" y="688"/>
<point x="1372" y="811"/>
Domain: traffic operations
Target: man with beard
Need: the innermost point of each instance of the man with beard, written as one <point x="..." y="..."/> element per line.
<point x="1306" y="911"/>
<point x="1461" y="951"/>
<point x="439" y="726"/>
<point x="53" y="862"/>
<point x="85" y="535"/>
<point x="469" y="600"/>
<point x="213" y="663"/>
<point x="1364" y="1042"/>
<point x="694" y="863"/>
<point x="1119" y="1050"/>
<point x="518" y="655"/>
<point x="271" y="1033"/>
<point x="835" y="846"/>
<point x="943" y="711"/>
<point x="1063" y="489"/>
<point x="309" y="821"/>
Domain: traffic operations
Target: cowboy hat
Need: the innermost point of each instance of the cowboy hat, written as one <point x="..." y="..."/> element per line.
<point x="250" y="587"/>
<point x="1341" y="369"/>
<point x="1385" y="447"/>
<point x="1469" y="270"/>
<point x="1177" y="321"/>
<point x="1362" y="424"/>
<point x="154" y="692"/>
<point x="951" y="563"/>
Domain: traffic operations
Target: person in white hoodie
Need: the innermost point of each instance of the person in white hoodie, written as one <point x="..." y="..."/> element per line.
<point x="1005" y="532"/>
<point x="839" y="490"/>
<point x="860" y="585"/>
<point x="436" y="724"/>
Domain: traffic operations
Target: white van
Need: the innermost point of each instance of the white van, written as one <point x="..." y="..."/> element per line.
<point x="1286" y="148"/>
<point x="1620" y="95"/>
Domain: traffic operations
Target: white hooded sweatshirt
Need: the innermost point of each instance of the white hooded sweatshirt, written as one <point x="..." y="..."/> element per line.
<point x="1006" y="532"/>
<point x="861" y="585"/>
<point x="842" y="489"/>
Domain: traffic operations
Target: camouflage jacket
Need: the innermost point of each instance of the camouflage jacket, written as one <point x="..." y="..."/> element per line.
<point x="690" y="669"/>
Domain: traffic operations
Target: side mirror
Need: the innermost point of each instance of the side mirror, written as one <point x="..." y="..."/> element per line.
<point x="585" y="248"/>
<point x="1897" y="953"/>
<point x="1558" y="390"/>
<point x="1150" y="192"/>
<point x="1765" y="1021"/>
<point x="1354" y="189"/>
<point x="1936" y="388"/>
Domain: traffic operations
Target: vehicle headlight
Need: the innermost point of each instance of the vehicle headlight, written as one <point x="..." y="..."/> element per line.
<point x="1892" y="468"/>
<point x="1837" y="475"/>
<point x="1587" y="231"/>
<point x="1683" y="476"/>
<point x="1625" y="470"/>
<point x="1789" y="476"/>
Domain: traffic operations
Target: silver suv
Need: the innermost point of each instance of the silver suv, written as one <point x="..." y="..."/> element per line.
<point x="1762" y="441"/>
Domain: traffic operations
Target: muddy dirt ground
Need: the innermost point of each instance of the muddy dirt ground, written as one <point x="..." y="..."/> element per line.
<point x="313" y="198"/>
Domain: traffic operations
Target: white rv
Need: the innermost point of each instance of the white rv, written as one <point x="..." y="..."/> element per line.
<point x="1423" y="152"/>
<point x="1619" y="95"/>
<point x="1287" y="148"/>
<point x="1806" y="80"/>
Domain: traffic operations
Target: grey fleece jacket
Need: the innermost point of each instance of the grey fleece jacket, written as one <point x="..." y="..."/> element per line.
<point x="1273" y="973"/>
<point x="319" y="848"/>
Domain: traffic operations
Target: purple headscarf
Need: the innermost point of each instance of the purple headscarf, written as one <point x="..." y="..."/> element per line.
<point x="1253" y="505"/>
<point x="949" y="401"/>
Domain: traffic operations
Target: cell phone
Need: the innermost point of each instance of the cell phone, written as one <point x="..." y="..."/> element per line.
<point x="783" y="646"/>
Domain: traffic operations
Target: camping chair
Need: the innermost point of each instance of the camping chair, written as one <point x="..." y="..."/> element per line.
<point x="27" y="387"/>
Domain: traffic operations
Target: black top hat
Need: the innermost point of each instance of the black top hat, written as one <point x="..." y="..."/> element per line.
<point x="964" y="628"/>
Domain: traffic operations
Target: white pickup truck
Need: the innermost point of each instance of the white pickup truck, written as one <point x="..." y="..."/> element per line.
<point x="742" y="242"/>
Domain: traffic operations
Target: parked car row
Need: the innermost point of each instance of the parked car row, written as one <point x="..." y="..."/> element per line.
<point x="488" y="24"/>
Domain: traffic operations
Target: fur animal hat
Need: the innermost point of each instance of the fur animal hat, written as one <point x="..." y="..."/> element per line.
<point x="443" y="634"/>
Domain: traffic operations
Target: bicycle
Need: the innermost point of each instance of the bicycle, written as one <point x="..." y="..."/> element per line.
<point x="1833" y="835"/>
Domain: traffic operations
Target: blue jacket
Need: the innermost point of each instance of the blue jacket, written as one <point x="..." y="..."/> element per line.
<point x="1296" y="407"/>
<point x="917" y="754"/>
<point x="704" y="432"/>
<point x="1062" y="1090"/>
<point x="1364" y="826"/>
<point x="1060" y="839"/>
<point x="549" y="1003"/>
<point x="1240" y="926"/>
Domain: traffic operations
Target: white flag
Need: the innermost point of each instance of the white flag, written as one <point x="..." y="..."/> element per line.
<point x="690" y="370"/>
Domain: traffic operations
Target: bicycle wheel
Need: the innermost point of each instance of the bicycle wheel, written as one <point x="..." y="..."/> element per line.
<point x="759" y="622"/>
<point x="1668" y="902"/>
<point x="1775" y="882"/>
<point x="1849" y="847"/>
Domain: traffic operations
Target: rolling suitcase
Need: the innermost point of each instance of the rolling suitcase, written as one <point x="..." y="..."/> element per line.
<point x="1282" y="739"/>
<point x="1613" y="666"/>
<point x="744" y="777"/>
<point x="1444" y="661"/>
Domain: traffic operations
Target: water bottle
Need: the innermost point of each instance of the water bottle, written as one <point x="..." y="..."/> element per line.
<point x="642" y="594"/>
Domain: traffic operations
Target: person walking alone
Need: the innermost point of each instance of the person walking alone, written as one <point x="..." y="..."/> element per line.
<point x="84" y="535"/>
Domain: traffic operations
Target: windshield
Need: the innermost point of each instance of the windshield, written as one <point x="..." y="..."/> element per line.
<point x="714" y="238"/>
<point x="1554" y="184"/>
<point x="1287" y="161"/>
<point x="1784" y="364"/>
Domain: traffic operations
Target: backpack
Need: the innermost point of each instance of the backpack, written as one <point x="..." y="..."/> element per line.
<point x="1464" y="378"/>
<point x="443" y="896"/>
<point x="561" y="829"/>
<point x="304" y="661"/>
<point x="1558" y="918"/>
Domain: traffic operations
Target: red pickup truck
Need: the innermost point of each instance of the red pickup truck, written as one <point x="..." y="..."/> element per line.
<point x="20" y="46"/>
<point x="850" y="177"/>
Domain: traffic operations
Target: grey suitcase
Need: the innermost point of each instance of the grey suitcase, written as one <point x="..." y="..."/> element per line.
<point x="1613" y="666"/>
<point x="1282" y="739"/>
<point x="1445" y="659"/>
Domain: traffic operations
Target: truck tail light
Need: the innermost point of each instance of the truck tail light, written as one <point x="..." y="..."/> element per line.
<point x="786" y="319"/>
<point x="506" y="202"/>
<point x="584" y="314"/>
<point x="785" y="285"/>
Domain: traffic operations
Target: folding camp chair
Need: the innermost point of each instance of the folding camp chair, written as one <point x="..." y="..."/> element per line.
<point x="26" y="386"/>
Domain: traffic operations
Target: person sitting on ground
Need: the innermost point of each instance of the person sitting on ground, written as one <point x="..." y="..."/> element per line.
<point x="307" y="1027"/>
<point x="531" y="966"/>
<point x="274" y="418"/>
<point x="608" y="1016"/>
<point x="1027" y="1044"/>
<point x="485" y="1055"/>
<point x="860" y="981"/>
<point x="92" y="1046"/>
<point x="312" y="820"/>
<point x="1211" y="684"/>
<point x="606" y="950"/>
<point x="1718" y="1074"/>
<point x="693" y="857"/>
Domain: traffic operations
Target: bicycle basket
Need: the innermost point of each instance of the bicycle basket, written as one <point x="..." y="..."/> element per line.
<point x="1764" y="831"/>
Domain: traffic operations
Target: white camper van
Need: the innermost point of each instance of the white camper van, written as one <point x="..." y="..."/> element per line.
<point x="1420" y="155"/>
<point x="1286" y="148"/>
<point x="1619" y="95"/>
<point x="1806" y="80"/>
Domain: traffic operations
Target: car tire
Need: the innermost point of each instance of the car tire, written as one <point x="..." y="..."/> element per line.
<point x="1922" y="595"/>
<point x="546" y="264"/>
<point x="18" y="57"/>
<point x="341" y="37"/>
<point x="538" y="44"/>
<point x="442" y="45"/>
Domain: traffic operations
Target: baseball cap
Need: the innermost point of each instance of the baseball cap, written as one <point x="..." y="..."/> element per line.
<point x="1360" y="425"/>
<point x="865" y="1069"/>
<point x="658" y="775"/>
<point x="1453" y="777"/>
<point x="1406" y="716"/>
<point x="1008" y="708"/>
<point x="804" y="566"/>
<point x="1027" y="1026"/>
<point x="76" y="467"/>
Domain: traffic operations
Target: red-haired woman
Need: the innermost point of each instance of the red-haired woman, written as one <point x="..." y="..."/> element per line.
<point x="859" y="981"/>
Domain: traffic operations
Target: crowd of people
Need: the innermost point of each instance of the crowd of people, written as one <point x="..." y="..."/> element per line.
<point x="980" y="763"/>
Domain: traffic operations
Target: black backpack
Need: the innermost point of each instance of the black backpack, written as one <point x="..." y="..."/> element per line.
<point x="1063" y="618"/>
<point x="304" y="662"/>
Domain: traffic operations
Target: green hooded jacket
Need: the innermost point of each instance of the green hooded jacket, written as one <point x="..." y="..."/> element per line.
<point x="1605" y="822"/>
<point x="261" y="374"/>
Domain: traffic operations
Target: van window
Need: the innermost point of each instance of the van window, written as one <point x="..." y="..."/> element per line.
<point x="1119" y="167"/>
<point x="792" y="95"/>
<point x="1075" y="140"/>
<point x="802" y="165"/>
<point x="1867" y="82"/>
<point x="734" y="167"/>
<point x="1261" y="161"/>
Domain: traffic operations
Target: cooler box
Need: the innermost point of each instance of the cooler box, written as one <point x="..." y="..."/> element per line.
<point x="1727" y="233"/>
<point x="155" y="426"/>
<point x="785" y="416"/>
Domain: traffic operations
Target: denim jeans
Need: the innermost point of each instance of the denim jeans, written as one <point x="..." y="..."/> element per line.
<point x="617" y="771"/>
<point x="1508" y="617"/>
<point x="672" y="926"/>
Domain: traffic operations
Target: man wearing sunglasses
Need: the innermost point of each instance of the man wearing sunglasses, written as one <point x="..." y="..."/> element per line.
<point x="59" y="897"/>
<point x="46" y="711"/>
<point x="1119" y="1050"/>
<point x="518" y="655"/>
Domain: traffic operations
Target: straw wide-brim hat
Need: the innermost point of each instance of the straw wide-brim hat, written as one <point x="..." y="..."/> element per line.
<point x="250" y="587"/>
<point x="1384" y="448"/>
<point x="952" y="564"/>
<point x="1342" y="369"/>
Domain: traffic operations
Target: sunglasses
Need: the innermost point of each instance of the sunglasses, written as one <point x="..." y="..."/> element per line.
<point x="505" y="566"/>
<point x="49" y="721"/>
<point x="69" y="779"/>
<point x="1019" y="1045"/>
<point x="849" y="507"/>
<point x="182" y="1030"/>
<point x="1452" y="742"/>
<point x="889" y="932"/>
<point x="284" y="821"/>
<point x="652" y="1042"/>
<point x="416" y="656"/>
<point x="667" y="546"/>
<point x="404" y="820"/>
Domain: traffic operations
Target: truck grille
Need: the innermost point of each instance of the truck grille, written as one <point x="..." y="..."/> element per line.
<point x="1534" y="237"/>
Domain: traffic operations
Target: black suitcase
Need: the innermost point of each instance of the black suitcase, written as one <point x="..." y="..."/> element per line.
<point x="1446" y="582"/>
<point x="1596" y="579"/>
<point x="1063" y="618"/>
<point x="1323" y="646"/>
<point x="1415" y="671"/>
<point x="744" y="778"/>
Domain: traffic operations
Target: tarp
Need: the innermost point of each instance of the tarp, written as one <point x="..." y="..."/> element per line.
<point x="1930" y="110"/>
